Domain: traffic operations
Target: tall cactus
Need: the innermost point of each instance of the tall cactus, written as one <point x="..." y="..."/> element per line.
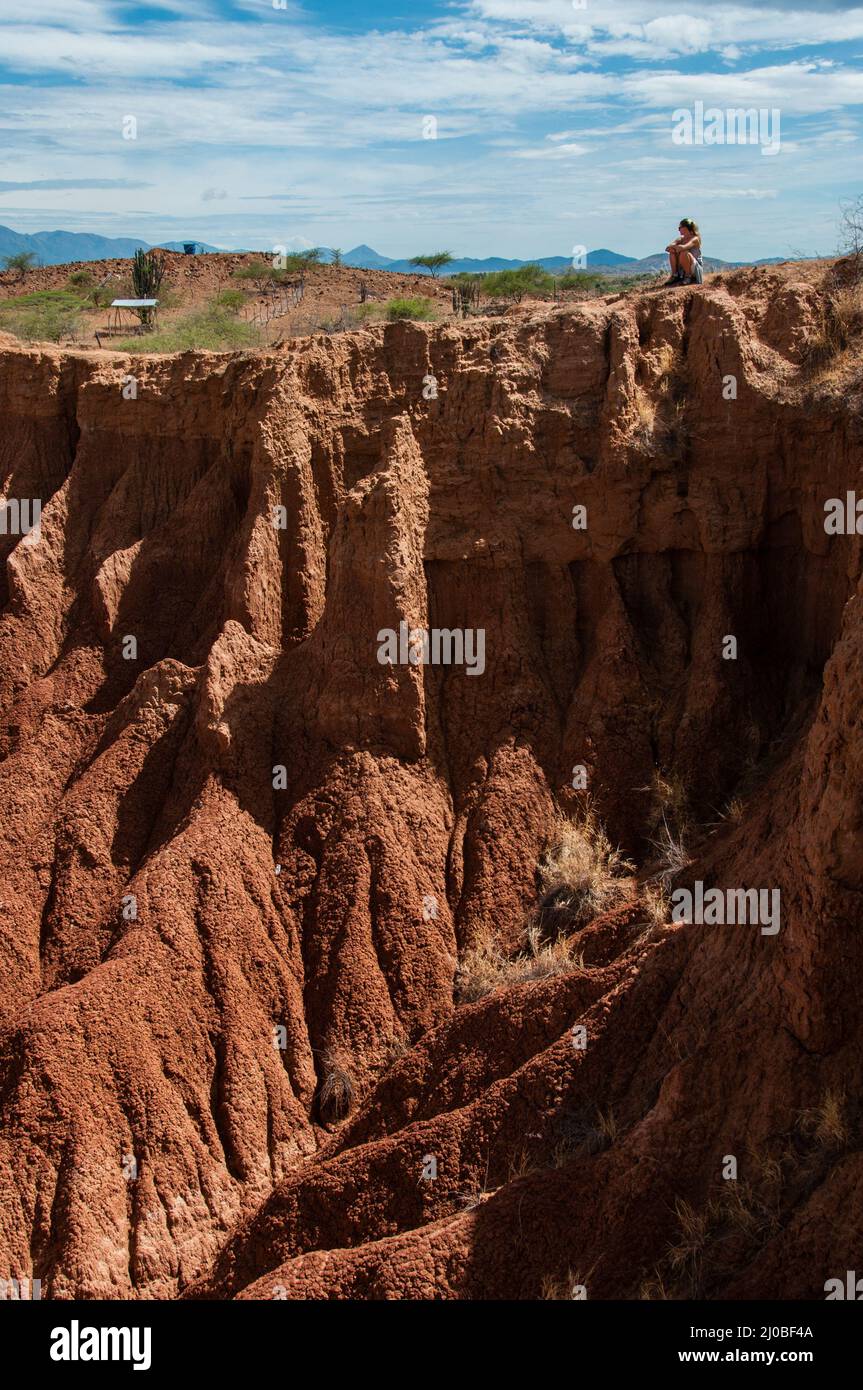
<point x="148" y="270"/>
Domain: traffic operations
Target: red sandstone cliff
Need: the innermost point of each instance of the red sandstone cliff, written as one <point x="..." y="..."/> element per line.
<point x="153" y="1139"/>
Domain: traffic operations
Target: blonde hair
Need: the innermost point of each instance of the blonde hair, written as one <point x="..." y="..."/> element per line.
<point x="690" y="225"/>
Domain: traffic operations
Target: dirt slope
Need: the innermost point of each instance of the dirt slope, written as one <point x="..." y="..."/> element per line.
<point x="193" y="282"/>
<point x="164" y="908"/>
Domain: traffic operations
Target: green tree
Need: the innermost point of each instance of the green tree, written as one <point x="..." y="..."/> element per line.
<point x="337" y="255"/>
<point x="433" y="262"/>
<point x="22" y="261"/>
<point x="515" y="284"/>
<point x="261" y="274"/>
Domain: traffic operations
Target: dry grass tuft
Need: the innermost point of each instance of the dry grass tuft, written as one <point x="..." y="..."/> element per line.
<point x="339" y="1087"/>
<point x="565" y="1289"/>
<point x="732" y="812"/>
<point x="664" y="362"/>
<point x="840" y="325"/>
<point x="671" y="825"/>
<point x="653" y="1289"/>
<point x="485" y="967"/>
<point x="521" y="1165"/>
<point x="686" y="1255"/>
<point x="825" y="1123"/>
<point x="580" y="876"/>
<point x="653" y="897"/>
<point x="644" y="417"/>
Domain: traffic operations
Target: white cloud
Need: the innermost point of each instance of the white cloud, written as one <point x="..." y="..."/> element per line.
<point x="228" y="111"/>
<point x="567" y="151"/>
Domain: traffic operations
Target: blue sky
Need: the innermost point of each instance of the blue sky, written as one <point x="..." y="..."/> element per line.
<point x="307" y="125"/>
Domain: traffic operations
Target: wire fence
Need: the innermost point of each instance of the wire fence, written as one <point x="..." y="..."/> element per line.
<point x="274" y="302"/>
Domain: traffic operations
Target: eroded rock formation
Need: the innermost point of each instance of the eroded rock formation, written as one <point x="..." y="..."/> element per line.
<point x="240" y="821"/>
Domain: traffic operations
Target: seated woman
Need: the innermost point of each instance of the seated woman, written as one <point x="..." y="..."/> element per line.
<point x="687" y="267"/>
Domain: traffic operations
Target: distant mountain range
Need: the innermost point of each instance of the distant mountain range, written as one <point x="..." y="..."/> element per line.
<point x="59" y="248"/>
<point x="609" y="261"/>
<point x="365" y="258"/>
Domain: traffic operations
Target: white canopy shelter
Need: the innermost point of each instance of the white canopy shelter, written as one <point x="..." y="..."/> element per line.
<point x="143" y="309"/>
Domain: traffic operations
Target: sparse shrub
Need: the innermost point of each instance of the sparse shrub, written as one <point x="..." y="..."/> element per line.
<point x="847" y="310"/>
<point x="80" y="279"/>
<point x="338" y="1088"/>
<point x="100" y="296"/>
<point x="514" y="285"/>
<point x="607" y="1124"/>
<point x="233" y="300"/>
<point x="409" y="309"/>
<point x="343" y="322"/>
<point x="579" y="876"/>
<point x="302" y="260"/>
<point x="739" y="1209"/>
<point x="259" y="273"/>
<point x="214" y="329"/>
<point x="581" y="281"/>
<point x="851" y="236"/>
<point x="593" y="284"/>
<point x="44" y="316"/>
<point x="254" y="270"/>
